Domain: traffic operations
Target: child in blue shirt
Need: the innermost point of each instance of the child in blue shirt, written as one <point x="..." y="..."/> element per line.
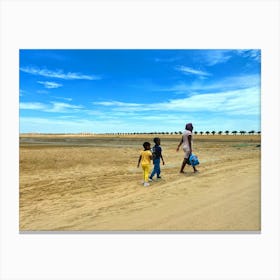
<point x="157" y="155"/>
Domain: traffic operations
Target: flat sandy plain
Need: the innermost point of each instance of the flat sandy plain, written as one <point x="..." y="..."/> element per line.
<point x="92" y="183"/>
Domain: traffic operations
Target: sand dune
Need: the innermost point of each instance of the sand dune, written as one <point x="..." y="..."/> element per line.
<point x="92" y="183"/>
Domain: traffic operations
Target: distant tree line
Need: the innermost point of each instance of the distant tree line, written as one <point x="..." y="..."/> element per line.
<point x="227" y="132"/>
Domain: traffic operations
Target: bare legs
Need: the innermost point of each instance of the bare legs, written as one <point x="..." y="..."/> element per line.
<point x="184" y="164"/>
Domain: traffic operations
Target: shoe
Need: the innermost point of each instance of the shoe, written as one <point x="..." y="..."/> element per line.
<point x="158" y="177"/>
<point x="146" y="184"/>
<point x="151" y="180"/>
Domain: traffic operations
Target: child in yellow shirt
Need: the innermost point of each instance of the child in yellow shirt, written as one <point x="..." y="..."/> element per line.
<point x="145" y="159"/>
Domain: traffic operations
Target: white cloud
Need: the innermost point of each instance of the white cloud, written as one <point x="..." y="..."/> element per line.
<point x="59" y="74"/>
<point x="75" y="125"/>
<point x="54" y="107"/>
<point x="214" y="57"/>
<point x="254" y="54"/>
<point x="60" y="107"/>
<point x="243" y="101"/>
<point x="230" y="83"/>
<point x="32" y="106"/>
<point x="63" y="98"/>
<point x="116" y="103"/>
<point x="48" y="125"/>
<point x="50" y="84"/>
<point x="190" y="71"/>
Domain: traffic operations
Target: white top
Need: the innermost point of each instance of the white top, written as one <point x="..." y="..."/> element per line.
<point x="186" y="144"/>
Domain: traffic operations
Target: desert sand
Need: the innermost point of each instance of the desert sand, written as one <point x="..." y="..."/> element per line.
<point x="92" y="183"/>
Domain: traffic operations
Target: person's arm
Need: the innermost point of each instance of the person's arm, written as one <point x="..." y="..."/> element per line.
<point x="190" y="143"/>
<point x="162" y="159"/>
<point x="161" y="155"/>
<point x="139" y="161"/>
<point x="179" y="144"/>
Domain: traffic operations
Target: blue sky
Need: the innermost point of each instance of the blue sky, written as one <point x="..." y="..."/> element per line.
<point x="105" y="91"/>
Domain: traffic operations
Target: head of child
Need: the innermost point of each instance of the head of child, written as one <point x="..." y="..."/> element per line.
<point x="157" y="140"/>
<point x="147" y="146"/>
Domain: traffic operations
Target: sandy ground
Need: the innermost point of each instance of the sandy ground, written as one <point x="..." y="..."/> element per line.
<point x="92" y="183"/>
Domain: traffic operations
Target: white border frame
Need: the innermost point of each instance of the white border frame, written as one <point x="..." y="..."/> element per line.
<point x="139" y="24"/>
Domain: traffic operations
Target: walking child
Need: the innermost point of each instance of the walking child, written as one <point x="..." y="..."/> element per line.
<point x="145" y="159"/>
<point x="157" y="155"/>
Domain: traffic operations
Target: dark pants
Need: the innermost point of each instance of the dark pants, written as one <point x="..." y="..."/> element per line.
<point x="156" y="168"/>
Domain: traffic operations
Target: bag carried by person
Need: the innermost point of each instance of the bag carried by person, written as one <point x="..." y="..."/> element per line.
<point x="192" y="160"/>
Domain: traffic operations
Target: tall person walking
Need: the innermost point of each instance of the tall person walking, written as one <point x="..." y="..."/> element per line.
<point x="186" y="140"/>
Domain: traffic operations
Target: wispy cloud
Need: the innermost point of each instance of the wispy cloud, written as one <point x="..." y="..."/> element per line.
<point x="53" y="107"/>
<point x="226" y="84"/>
<point x="50" y="125"/>
<point x="72" y="125"/>
<point x="32" y="106"/>
<point x="116" y="103"/>
<point x="60" y="107"/>
<point x="254" y="54"/>
<point x="63" y="98"/>
<point x="190" y="71"/>
<point x="214" y="57"/>
<point x="59" y="74"/>
<point x="50" y="84"/>
<point x="244" y="101"/>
